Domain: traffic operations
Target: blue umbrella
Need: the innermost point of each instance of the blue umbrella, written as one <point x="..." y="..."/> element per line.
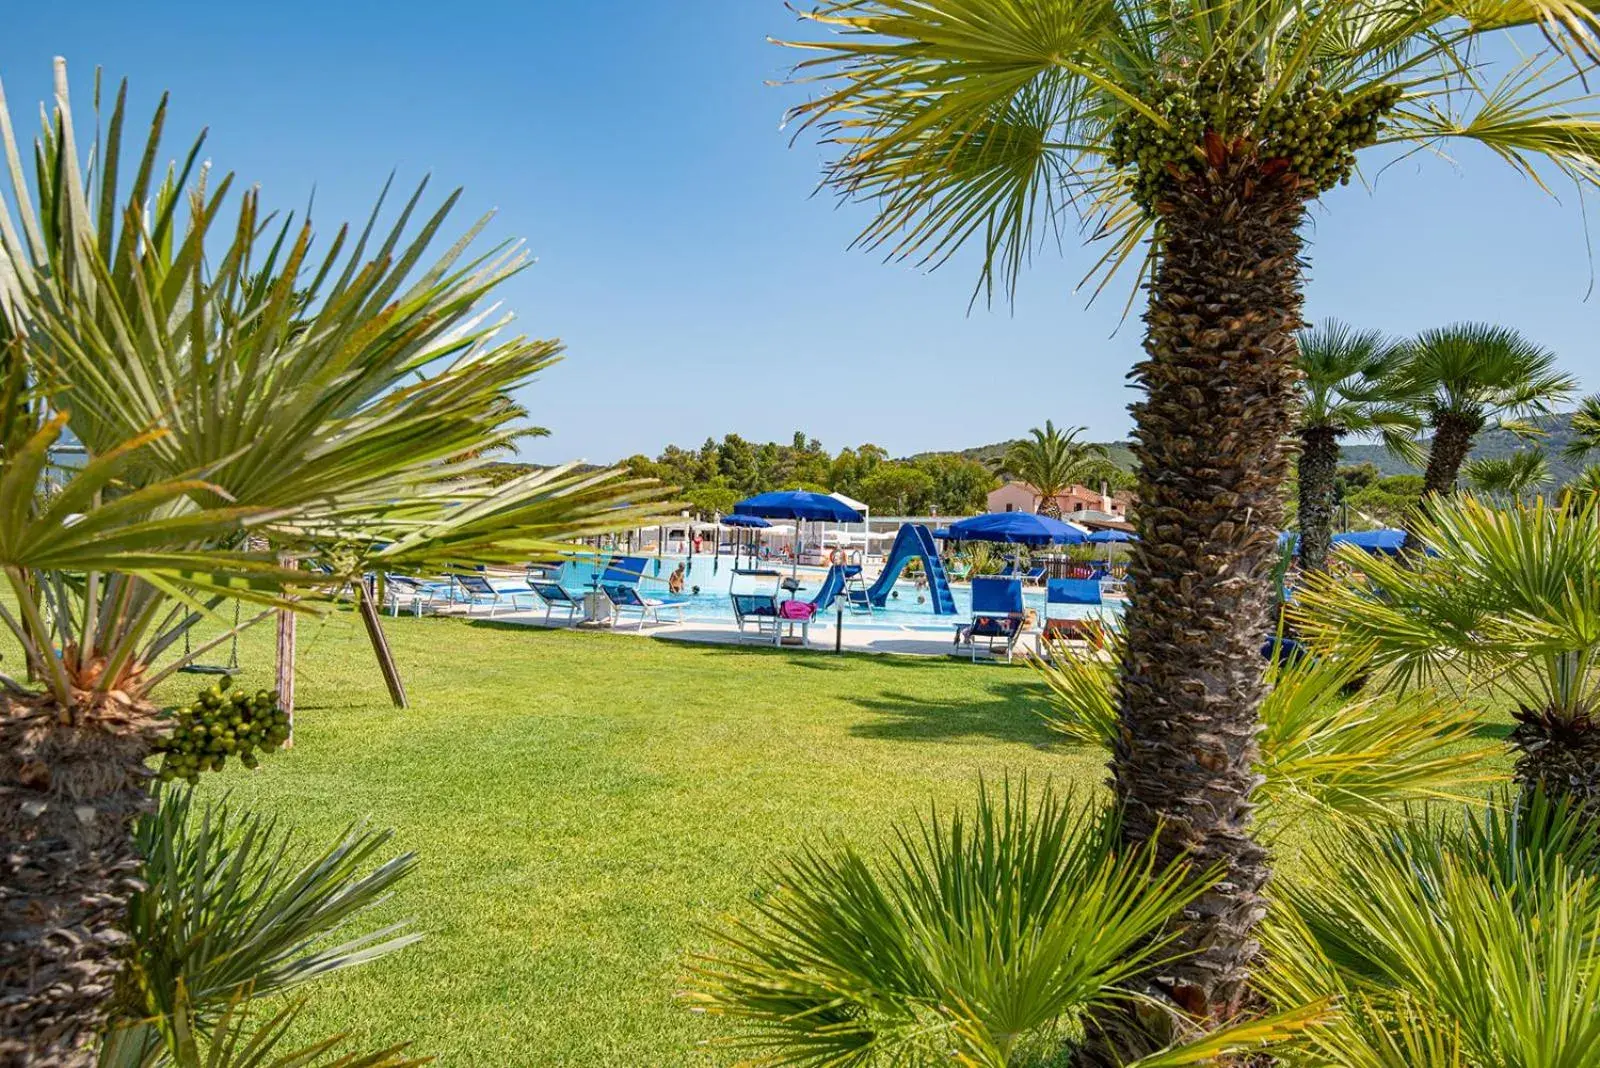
<point x="749" y="522"/>
<point x="942" y="533"/>
<point x="1106" y="537"/>
<point x="1373" y="541"/>
<point x="797" y="504"/>
<point x="1017" y="528"/>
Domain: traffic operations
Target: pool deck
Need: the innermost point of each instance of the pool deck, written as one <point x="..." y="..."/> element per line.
<point x="905" y="641"/>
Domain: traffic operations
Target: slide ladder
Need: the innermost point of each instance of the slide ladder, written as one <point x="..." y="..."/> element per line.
<point x="915" y="541"/>
<point x="843" y="580"/>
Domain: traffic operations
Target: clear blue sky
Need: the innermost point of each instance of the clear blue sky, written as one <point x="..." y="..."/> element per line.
<point x="698" y="285"/>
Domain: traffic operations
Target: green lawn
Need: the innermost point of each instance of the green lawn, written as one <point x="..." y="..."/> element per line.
<point x="581" y="803"/>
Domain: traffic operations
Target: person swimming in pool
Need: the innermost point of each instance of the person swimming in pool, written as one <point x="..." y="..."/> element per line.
<point x="675" y="582"/>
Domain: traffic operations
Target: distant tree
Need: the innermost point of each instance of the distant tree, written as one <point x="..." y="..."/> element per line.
<point x="1052" y="461"/>
<point x="712" y="497"/>
<point x="897" y="489"/>
<point x="1462" y="378"/>
<point x="960" y="486"/>
<point x="1388" y="501"/>
<point x="1347" y="386"/>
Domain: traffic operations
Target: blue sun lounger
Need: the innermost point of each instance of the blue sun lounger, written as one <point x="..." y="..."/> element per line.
<point x="997" y="616"/>
<point x="554" y="595"/>
<point x="480" y="591"/>
<point x="626" y="598"/>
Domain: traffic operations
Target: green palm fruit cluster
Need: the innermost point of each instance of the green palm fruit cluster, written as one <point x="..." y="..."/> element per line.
<point x="222" y="722"/>
<point x="1315" y="129"/>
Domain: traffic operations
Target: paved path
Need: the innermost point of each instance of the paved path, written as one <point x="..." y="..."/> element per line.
<point x="887" y="640"/>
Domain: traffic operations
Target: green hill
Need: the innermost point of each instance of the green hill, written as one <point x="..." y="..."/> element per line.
<point x="991" y="454"/>
<point x="1556" y="431"/>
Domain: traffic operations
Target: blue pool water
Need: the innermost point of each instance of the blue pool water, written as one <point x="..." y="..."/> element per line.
<point x="716" y="579"/>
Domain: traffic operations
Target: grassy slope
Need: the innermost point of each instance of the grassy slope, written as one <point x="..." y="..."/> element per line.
<point x="582" y="802"/>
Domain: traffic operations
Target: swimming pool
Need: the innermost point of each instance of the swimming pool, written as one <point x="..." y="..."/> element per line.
<point x="715" y="579"/>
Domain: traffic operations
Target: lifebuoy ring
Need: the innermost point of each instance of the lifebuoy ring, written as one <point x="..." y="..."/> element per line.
<point x="836" y="558"/>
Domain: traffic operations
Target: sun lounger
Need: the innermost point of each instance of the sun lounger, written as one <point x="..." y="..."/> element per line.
<point x="997" y="617"/>
<point x="758" y="611"/>
<point x="480" y="591"/>
<point x="554" y="595"/>
<point x="1035" y="575"/>
<point x="415" y="594"/>
<point x="627" y="598"/>
<point x="1074" y="591"/>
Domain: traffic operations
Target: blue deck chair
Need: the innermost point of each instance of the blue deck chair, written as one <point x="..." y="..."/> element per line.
<point x="1073" y="591"/>
<point x="1077" y="591"/>
<point x="1035" y="575"/>
<point x="480" y="591"/>
<point x="1009" y="571"/>
<point x="627" y="598"/>
<point x="997" y="614"/>
<point x="624" y="571"/>
<point x="554" y="595"/>
<point x="758" y="610"/>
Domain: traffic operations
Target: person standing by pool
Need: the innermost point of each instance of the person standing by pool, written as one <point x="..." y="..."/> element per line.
<point x="675" y="581"/>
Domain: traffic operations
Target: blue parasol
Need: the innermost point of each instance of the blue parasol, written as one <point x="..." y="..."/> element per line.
<point x="797" y="504"/>
<point x="1017" y="528"/>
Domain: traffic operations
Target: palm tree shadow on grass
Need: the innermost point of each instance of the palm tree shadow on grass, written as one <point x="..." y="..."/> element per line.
<point x="1003" y="711"/>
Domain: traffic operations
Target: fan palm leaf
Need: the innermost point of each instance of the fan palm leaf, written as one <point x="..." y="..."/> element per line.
<point x="980" y="940"/>
<point x="1465" y="938"/>
<point x="1507" y="598"/>
<point x="1326" y="747"/>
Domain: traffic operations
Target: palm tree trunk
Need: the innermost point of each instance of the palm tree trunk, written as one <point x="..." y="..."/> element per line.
<point x="1558" y="751"/>
<point x="1319" y="465"/>
<point x="1210" y="438"/>
<point x="70" y="791"/>
<point x="1452" y="441"/>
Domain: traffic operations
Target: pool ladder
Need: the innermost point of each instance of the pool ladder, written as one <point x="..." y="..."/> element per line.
<point x="855" y="593"/>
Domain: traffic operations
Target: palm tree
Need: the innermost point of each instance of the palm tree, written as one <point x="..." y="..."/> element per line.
<point x="1463" y="377"/>
<point x="1585" y="428"/>
<point x="1513" y="476"/>
<point x="1507" y="598"/>
<point x="1052" y="462"/>
<point x="225" y="385"/>
<point x="1191" y="138"/>
<point x="1346" y="387"/>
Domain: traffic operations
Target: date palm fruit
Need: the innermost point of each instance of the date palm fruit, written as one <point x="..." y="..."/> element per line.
<point x="222" y="721"/>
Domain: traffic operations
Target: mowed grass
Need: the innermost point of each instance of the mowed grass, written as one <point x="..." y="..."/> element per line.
<point x="582" y="804"/>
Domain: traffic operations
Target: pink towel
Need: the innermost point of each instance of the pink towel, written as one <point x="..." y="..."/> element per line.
<point x="797" y="610"/>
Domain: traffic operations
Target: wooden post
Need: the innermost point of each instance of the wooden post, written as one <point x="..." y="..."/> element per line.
<point x="284" y="682"/>
<point x="380" y="644"/>
<point x="285" y="675"/>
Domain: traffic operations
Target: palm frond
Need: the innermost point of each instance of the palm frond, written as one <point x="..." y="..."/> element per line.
<point x="1476" y="944"/>
<point x="1508" y="594"/>
<point x="233" y="906"/>
<point x="982" y="938"/>
<point x="1324" y="745"/>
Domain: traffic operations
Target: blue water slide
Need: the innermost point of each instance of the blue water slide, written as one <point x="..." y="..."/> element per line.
<point x="915" y="541"/>
<point x="832" y="584"/>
